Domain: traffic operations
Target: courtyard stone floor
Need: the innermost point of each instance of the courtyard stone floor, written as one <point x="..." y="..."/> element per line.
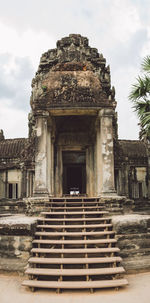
<point x="138" y="291"/>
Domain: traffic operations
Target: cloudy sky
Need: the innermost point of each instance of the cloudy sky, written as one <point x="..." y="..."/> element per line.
<point x="120" y="29"/>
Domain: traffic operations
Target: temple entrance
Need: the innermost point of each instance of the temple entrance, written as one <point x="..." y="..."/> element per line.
<point x="74" y="173"/>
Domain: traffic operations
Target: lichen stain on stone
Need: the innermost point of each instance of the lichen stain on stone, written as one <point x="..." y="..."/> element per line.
<point x="38" y="131"/>
<point x="40" y="157"/>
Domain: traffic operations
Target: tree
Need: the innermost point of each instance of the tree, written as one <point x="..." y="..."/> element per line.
<point x="140" y="97"/>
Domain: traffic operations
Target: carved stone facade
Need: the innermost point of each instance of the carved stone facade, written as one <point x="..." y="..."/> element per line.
<point x="73" y="140"/>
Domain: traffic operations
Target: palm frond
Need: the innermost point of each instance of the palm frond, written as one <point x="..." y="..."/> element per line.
<point x="145" y="120"/>
<point x="140" y="98"/>
<point x="146" y="64"/>
<point x="142" y="105"/>
<point x="140" y="89"/>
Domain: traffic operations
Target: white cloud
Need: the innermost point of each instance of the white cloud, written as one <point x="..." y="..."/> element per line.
<point x="124" y="19"/>
<point x="13" y="121"/>
<point x="28" y="44"/>
<point x="146" y="47"/>
<point x="127" y="118"/>
<point x="120" y="29"/>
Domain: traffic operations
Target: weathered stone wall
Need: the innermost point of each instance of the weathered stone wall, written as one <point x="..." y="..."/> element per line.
<point x="9" y="206"/>
<point x="131" y="169"/>
<point x="132" y="181"/>
<point x="16" y="234"/>
<point x="133" y="235"/>
<point x="14" y="252"/>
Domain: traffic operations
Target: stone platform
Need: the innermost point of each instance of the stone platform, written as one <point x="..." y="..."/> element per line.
<point x="16" y="232"/>
<point x="132" y="232"/>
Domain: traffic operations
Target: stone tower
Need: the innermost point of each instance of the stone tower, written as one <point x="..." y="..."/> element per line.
<point x="73" y="114"/>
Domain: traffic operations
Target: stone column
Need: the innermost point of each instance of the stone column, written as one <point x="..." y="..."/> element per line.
<point x="98" y="159"/>
<point x="124" y="175"/>
<point x="89" y="171"/>
<point x="31" y="183"/>
<point x="52" y="166"/>
<point x="48" y="159"/>
<point x="28" y="184"/>
<point x="148" y="174"/>
<point x="42" y="162"/>
<point x="23" y="182"/>
<point x="6" y="185"/>
<point x="58" y="172"/>
<point x="105" y="153"/>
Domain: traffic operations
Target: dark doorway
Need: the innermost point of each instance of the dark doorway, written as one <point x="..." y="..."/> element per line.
<point x="13" y="190"/>
<point x="74" y="173"/>
<point x="10" y="190"/>
<point x="74" y="178"/>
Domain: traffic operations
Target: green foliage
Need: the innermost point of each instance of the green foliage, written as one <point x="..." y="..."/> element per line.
<point x="140" y="97"/>
<point x="44" y="88"/>
<point x="146" y="64"/>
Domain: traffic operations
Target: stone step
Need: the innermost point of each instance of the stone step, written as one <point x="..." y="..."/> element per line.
<point x="73" y="198"/>
<point x="5" y="214"/>
<point x="93" y="241"/>
<point x="104" y="219"/>
<point x="74" y="272"/>
<point x="74" y="213"/>
<point x="62" y="252"/>
<point x="81" y="226"/>
<point x="74" y="234"/>
<point x="52" y="208"/>
<point x="40" y="260"/>
<point x="75" y="250"/>
<point x="76" y="284"/>
<point x="75" y="203"/>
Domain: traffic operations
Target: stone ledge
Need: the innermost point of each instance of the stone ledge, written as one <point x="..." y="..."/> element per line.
<point x="13" y="265"/>
<point x="137" y="264"/>
<point x="130" y="223"/>
<point x="17" y="225"/>
<point x="133" y="239"/>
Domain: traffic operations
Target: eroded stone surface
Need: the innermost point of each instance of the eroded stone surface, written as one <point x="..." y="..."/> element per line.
<point x="74" y="74"/>
<point x="133" y="235"/>
<point x="17" y="225"/>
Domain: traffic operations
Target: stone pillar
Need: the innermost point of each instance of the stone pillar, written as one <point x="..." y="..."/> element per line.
<point x="31" y="183"/>
<point x="59" y="172"/>
<point x="125" y="174"/>
<point x="148" y="174"/>
<point x="42" y="158"/>
<point x="23" y="182"/>
<point x="89" y="171"/>
<point x="105" y="153"/>
<point x="28" y="184"/>
<point x="52" y="166"/>
<point x="48" y="159"/>
<point x="6" y="185"/>
<point x="98" y="159"/>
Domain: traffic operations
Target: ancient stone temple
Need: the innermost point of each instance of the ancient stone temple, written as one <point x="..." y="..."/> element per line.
<point x="74" y="169"/>
<point x="73" y="108"/>
<point x="73" y="140"/>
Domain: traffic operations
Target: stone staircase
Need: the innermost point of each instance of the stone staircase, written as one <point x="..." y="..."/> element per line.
<point x="74" y="247"/>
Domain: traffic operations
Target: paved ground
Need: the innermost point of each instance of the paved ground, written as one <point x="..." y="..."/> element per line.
<point x="138" y="291"/>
